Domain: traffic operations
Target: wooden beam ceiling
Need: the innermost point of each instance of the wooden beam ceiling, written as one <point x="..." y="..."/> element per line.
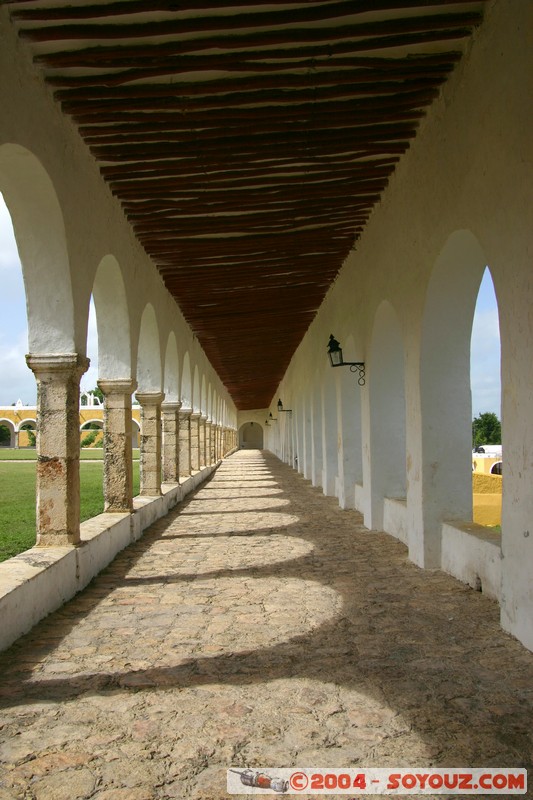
<point x="248" y="145"/>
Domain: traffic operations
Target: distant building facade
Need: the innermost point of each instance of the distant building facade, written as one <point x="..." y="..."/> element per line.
<point x="20" y="421"/>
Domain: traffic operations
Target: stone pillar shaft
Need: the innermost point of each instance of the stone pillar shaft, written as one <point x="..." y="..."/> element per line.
<point x="213" y="443"/>
<point x="118" y="467"/>
<point x="202" y="443"/>
<point x="224" y="441"/>
<point x="214" y="433"/>
<point x="150" y="459"/>
<point x="58" y="446"/>
<point x="185" y="442"/>
<point x="195" y="442"/>
<point x="208" y="443"/>
<point x="171" y="441"/>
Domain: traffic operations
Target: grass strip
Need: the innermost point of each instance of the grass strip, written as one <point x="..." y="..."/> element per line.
<point x="30" y="454"/>
<point x="17" y="502"/>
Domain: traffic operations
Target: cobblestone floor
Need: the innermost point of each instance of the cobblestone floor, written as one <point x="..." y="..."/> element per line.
<point x="258" y="626"/>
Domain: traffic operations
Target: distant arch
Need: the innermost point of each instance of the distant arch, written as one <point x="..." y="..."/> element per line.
<point x="27" y="422"/>
<point x="26" y="433"/>
<point x="92" y="424"/>
<point x="251" y="436"/>
<point x="7" y="433"/>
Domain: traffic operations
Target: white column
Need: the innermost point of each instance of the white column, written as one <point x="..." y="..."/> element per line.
<point x="171" y="435"/>
<point x="58" y="446"/>
<point x="185" y="442"/>
<point x="118" y="466"/>
<point x="195" y="442"/>
<point x="150" y="459"/>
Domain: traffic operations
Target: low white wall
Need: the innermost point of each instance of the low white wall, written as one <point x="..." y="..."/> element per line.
<point x="359" y="497"/>
<point x="473" y="555"/>
<point x="395" y="518"/>
<point x="42" y="579"/>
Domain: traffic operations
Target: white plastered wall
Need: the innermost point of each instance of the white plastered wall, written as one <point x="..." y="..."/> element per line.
<point x="467" y="180"/>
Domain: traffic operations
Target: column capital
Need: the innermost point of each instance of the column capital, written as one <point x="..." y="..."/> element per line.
<point x="50" y="363"/>
<point x="203" y="417"/>
<point x="150" y="398"/>
<point x="171" y="405"/>
<point x="185" y="412"/>
<point x="195" y="415"/>
<point x="117" y="385"/>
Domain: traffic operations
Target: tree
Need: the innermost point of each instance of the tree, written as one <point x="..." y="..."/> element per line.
<point x="486" y="429"/>
<point x="98" y="393"/>
<point x="5" y="436"/>
<point x="30" y="432"/>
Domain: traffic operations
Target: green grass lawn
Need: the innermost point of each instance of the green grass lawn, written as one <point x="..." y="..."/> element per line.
<point x="17" y="502"/>
<point x="30" y="454"/>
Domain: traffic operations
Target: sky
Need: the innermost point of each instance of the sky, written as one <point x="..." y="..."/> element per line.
<point x="17" y="381"/>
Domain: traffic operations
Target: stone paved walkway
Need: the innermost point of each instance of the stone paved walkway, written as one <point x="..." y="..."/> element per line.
<point x="258" y="626"/>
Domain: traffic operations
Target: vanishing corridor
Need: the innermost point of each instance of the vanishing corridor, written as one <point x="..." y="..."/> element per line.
<point x="258" y="625"/>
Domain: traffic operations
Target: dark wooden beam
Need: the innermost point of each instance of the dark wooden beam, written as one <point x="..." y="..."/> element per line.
<point x="430" y="65"/>
<point x="275" y="35"/>
<point x="113" y="56"/>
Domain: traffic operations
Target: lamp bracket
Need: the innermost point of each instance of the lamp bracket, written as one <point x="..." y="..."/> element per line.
<point x="355" y="366"/>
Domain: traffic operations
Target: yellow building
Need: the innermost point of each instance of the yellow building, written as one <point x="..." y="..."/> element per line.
<point x="487" y="489"/>
<point x="20" y="422"/>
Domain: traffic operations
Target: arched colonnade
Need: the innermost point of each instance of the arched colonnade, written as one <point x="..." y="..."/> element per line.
<point x="399" y="448"/>
<point x="188" y="420"/>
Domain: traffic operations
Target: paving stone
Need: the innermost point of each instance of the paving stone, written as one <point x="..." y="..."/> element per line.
<point x="258" y="625"/>
<point x="7" y="795"/>
<point x="124" y="794"/>
<point x="72" y="785"/>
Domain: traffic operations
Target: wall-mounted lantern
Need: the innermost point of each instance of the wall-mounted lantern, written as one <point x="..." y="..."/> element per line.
<point x="337" y="360"/>
<point x="271" y="418"/>
<point x="280" y="408"/>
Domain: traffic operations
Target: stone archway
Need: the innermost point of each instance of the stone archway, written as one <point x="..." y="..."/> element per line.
<point x="446" y="448"/>
<point x="251" y="436"/>
<point x="7" y="433"/>
<point x="39" y="228"/>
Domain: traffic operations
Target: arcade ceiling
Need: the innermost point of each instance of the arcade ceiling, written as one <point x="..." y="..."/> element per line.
<point x="246" y="143"/>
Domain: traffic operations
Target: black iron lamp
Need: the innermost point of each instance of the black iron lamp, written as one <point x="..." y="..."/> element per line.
<point x="337" y="360"/>
<point x="271" y="418"/>
<point x="280" y="408"/>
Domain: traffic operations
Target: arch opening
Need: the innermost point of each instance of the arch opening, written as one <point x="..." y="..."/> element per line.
<point x="251" y="436"/>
